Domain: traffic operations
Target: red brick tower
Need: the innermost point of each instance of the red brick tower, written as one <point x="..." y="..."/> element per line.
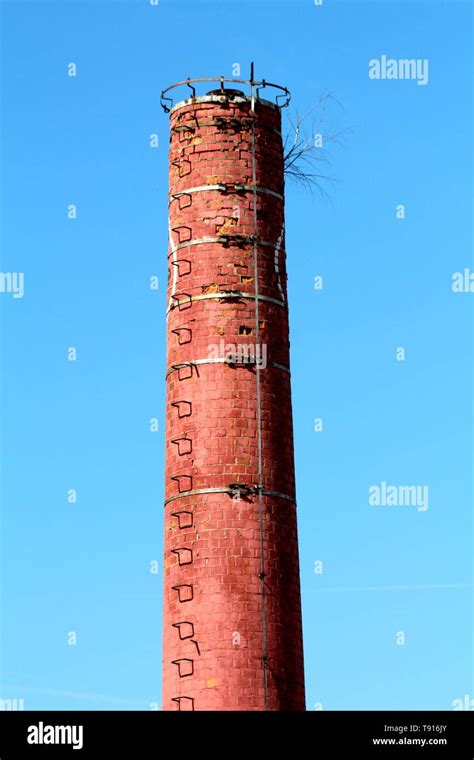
<point x="232" y="610"/>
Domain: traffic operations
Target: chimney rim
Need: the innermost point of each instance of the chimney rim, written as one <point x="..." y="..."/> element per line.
<point x="221" y="99"/>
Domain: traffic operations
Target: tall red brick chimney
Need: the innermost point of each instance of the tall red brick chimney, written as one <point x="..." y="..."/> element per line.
<point x="232" y="609"/>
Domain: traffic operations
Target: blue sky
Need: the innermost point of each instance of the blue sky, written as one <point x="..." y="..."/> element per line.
<point x="84" y="425"/>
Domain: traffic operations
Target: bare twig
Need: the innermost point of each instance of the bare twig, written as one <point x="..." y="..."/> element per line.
<point x="307" y="149"/>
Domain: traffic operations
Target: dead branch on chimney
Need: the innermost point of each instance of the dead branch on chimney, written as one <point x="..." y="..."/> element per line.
<point x="305" y="151"/>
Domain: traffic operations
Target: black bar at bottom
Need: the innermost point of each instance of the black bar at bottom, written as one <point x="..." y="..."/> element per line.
<point x="317" y="735"/>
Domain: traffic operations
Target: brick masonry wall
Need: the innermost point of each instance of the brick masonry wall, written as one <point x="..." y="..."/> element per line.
<point x="213" y="615"/>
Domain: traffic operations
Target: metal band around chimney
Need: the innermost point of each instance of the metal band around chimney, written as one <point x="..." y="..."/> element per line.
<point x="179" y="365"/>
<point x="200" y="491"/>
<point x="201" y="241"/>
<point x="223" y="124"/>
<point x="222" y="188"/>
<point x="223" y="295"/>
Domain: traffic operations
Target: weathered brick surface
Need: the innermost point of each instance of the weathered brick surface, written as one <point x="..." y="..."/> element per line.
<point x="213" y="613"/>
